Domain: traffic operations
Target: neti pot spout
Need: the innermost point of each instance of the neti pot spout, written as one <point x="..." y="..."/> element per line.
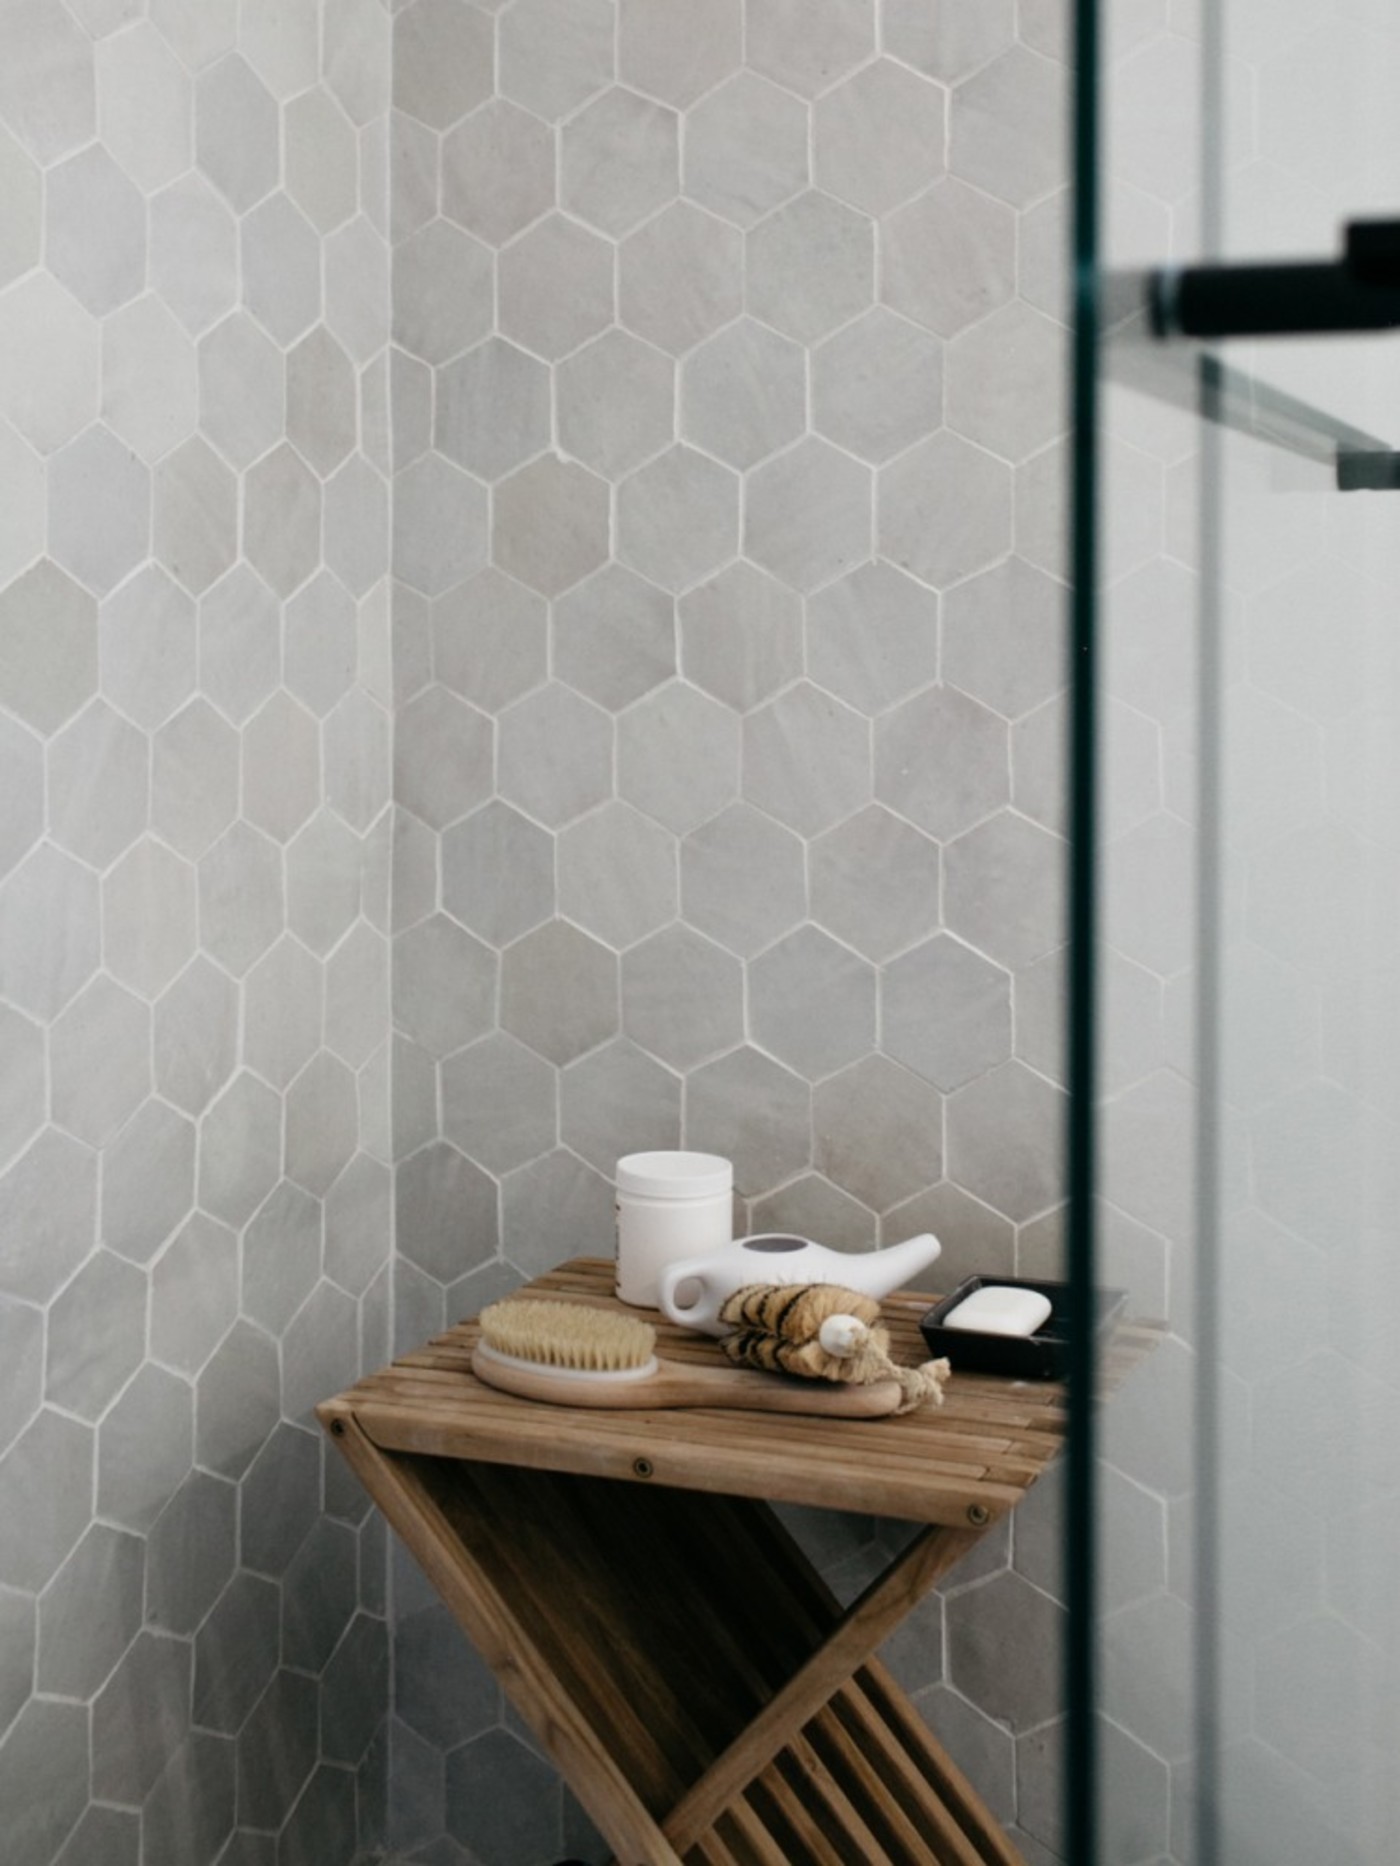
<point x="694" y="1290"/>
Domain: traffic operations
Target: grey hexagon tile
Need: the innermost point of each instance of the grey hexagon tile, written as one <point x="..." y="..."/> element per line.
<point x="442" y="62"/>
<point x="446" y="1219"/>
<point x="235" y="1653"/>
<point x="22" y="768"/>
<point x="943" y="761"/>
<point x="555" y="754"/>
<point x="811" y="267"/>
<point x="322" y="1123"/>
<point x="879" y="137"/>
<point x="194" y="1294"/>
<point x="358" y="1224"/>
<point x="103" y="1834"/>
<point x="975" y="1239"/>
<point x="282" y="519"/>
<point x="320" y="400"/>
<point x="811" y="1207"/>
<point x="550" y="524"/>
<point x="615" y="402"/>
<point x="1023" y="1614"/>
<point x="146" y="647"/>
<point x="1006" y="382"/>
<point x="498" y="171"/>
<point x="442" y="292"/>
<point x="680" y="278"/>
<point x="676" y="51"/>
<point x="194" y="791"/>
<point x="559" y="991"/>
<point x="549" y="1201"/>
<point x="808" y="48"/>
<point x="55" y="393"/>
<point x="948" y="257"/>
<point x="191" y="1552"/>
<point x="812" y="1003"/>
<point x="619" y="161"/>
<point x="498" y="873"/>
<point x="490" y="639"/>
<point x="1007" y="128"/>
<point x="22" y="528"/>
<point x="743" y="879"/>
<point x="281" y="767"/>
<point x="99" y="509"/>
<point x="281" y="268"/>
<point x="320" y="643"/>
<point x="492" y="408"/>
<point x="355" y="525"/>
<point x="144" y="1448"/>
<point x="872" y="638"/>
<point x="277" y="1749"/>
<point x="878" y="1132"/>
<point x="90" y="1612"/>
<point x="195" y="515"/>
<point x="22" y="240"/>
<point x="1004" y="888"/>
<point x="98" y="789"/>
<point x="239" y="648"/>
<point x="745" y="149"/>
<point x="614" y="637"/>
<point x="321" y="160"/>
<point x="946" y="1012"/>
<point x="443" y="756"/>
<point x="498" y="1102"/>
<point x="682" y="997"/>
<point x="147" y="1181"/>
<point x="236" y="132"/>
<point x="97" y="1335"/>
<point x="22" y="1096"/>
<point x="917" y="493"/>
<point x="281" y="43"/>
<point x="44" y="1766"/>
<point x="1004" y="1141"/>
<point x="678" y="518"/>
<point x="678" y="756"/>
<point x="48" y="889"/>
<point x="955" y="40"/>
<point x="741" y="636"/>
<point x="240" y="1153"/>
<point x="444" y="989"/>
<point x="618" y="1100"/>
<point x="806" y="759"/>
<point x="807" y="515"/>
<point x="95" y="230"/>
<point x="241" y="902"/>
<point x="49" y="1201"/>
<point x="195" y="1035"/>
<point x="874" y="883"/>
<point x="556" y="287"/>
<point x="322" y="1349"/>
<point x="554" y="54"/>
<point x="242" y="389"/>
<point x="877" y="385"/>
<point x="357" y="995"/>
<point x="357" y="288"/>
<point x="751" y="1110"/>
<point x="150" y="384"/>
<point x="99" y="1061"/>
<point x="617" y="875"/>
<point x="440" y="534"/>
<point x="46" y="1484"/>
<point x="744" y="394"/>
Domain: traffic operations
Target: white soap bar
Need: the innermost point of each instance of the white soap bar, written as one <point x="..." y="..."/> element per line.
<point x="994" y="1310"/>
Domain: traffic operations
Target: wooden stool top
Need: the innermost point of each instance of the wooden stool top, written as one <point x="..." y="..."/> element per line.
<point x="965" y="1463"/>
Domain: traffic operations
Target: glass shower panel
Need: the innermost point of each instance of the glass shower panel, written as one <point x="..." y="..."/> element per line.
<point x="1248" y="1652"/>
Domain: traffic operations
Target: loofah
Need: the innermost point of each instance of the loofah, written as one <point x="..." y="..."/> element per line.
<point x="822" y="1332"/>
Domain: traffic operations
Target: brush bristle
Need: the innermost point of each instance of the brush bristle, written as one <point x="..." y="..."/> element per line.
<point x="567" y="1334"/>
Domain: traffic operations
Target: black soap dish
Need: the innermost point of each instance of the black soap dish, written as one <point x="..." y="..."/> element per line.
<point x="1041" y="1356"/>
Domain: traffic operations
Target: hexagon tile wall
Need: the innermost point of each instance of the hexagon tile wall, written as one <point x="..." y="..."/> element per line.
<point x="195" y="1154"/>
<point x="728" y="426"/>
<point x="710" y="353"/>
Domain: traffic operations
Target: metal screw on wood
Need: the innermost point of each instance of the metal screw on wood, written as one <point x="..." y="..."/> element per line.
<point x="641" y="1467"/>
<point x="978" y="1515"/>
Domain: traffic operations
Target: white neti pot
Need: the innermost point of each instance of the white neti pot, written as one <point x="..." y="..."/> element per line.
<point x="693" y="1291"/>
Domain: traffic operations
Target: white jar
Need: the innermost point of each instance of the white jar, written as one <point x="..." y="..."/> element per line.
<point x="669" y="1206"/>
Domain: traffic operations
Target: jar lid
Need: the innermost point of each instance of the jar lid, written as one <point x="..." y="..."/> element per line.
<point x="674" y="1175"/>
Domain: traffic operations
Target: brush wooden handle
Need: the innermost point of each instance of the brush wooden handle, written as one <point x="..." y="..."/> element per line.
<point x="737" y="1388"/>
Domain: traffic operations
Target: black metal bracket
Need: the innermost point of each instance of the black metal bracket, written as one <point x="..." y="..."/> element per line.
<point x="1358" y="292"/>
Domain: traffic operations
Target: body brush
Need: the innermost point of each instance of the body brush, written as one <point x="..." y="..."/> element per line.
<point x="570" y="1354"/>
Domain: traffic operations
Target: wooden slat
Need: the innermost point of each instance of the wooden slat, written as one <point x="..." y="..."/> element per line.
<point x="802" y="1830"/>
<point x="886" y="1813"/>
<point x="805" y="1771"/>
<point x="880" y="1608"/>
<point x="903" y="1778"/>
